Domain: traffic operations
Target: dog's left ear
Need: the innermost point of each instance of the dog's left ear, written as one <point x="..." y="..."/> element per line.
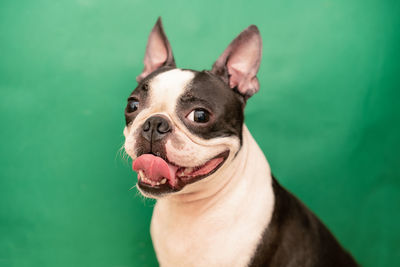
<point x="238" y="65"/>
<point x="158" y="51"/>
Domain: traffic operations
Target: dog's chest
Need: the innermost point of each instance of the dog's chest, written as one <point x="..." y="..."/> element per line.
<point x="223" y="236"/>
<point x="202" y="244"/>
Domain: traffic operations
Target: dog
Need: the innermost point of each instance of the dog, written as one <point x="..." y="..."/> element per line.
<point x="217" y="201"/>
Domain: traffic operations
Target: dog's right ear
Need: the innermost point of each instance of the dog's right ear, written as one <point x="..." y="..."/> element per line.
<point x="158" y="51"/>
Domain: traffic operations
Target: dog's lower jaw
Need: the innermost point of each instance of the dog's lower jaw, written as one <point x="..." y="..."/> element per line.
<point x="222" y="224"/>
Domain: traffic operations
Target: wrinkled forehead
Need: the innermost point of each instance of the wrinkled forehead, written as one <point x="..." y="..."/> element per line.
<point x="166" y="87"/>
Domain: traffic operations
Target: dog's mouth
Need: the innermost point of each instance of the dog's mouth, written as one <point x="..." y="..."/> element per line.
<point x="158" y="176"/>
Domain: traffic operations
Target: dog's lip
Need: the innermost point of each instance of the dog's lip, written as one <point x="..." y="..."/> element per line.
<point x="187" y="173"/>
<point x="186" y="178"/>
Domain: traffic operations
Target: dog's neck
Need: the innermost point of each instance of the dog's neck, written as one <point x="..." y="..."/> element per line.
<point x="237" y="203"/>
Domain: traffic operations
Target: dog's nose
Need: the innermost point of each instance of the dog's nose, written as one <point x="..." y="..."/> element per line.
<point x="155" y="128"/>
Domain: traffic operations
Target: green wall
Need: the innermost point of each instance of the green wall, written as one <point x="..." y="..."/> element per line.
<point x="326" y="116"/>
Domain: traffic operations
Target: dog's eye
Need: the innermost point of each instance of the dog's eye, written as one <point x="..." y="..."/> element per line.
<point x="199" y="115"/>
<point x="133" y="105"/>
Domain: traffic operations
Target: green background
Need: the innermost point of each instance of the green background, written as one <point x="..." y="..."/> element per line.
<point x="326" y="116"/>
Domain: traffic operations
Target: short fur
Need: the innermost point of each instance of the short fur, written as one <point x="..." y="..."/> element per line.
<point x="237" y="214"/>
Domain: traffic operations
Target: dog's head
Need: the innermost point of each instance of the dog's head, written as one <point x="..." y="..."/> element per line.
<point x="182" y="125"/>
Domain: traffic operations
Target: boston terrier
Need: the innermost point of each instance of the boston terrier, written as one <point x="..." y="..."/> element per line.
<point x="217" y="201"/>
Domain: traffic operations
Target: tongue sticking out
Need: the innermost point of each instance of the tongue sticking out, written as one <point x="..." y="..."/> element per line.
<point x="155" y="169"/>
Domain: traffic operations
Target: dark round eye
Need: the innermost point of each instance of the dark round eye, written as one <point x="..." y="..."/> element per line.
<point x="199" y="115"/>
<point x="133" y="105"/>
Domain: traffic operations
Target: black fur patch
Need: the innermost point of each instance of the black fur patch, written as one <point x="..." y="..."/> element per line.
<point x="296" y="237"/>
<point x="208" y="91"/>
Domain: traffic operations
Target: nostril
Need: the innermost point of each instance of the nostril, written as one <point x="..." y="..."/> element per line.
<point x="163" y="127"/>
<point x="146" y="126"/>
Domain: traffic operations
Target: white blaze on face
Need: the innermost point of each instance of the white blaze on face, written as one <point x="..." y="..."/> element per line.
<point x="166" y="88"/>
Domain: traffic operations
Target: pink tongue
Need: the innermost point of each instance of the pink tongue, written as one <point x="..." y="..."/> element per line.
<point x="155" y="168"/>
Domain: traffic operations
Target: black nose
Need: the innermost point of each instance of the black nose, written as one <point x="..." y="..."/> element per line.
<point x="155" y="128"/>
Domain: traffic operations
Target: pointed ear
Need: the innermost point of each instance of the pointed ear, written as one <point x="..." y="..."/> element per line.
<point x="238" y="65"/>
<point x="158" y="51"/>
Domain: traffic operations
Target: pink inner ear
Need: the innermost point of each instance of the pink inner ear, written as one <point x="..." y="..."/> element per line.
<point x="243" y="64"/>
<point x="158" y="51"/>
<point x="240" y="62"/>
<point x="156" y="54"/>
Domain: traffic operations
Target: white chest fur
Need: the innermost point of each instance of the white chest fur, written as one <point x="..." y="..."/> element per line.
<point x="224" y="228"/>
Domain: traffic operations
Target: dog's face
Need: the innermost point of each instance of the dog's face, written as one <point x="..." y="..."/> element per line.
<point x="183" y="126"/>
